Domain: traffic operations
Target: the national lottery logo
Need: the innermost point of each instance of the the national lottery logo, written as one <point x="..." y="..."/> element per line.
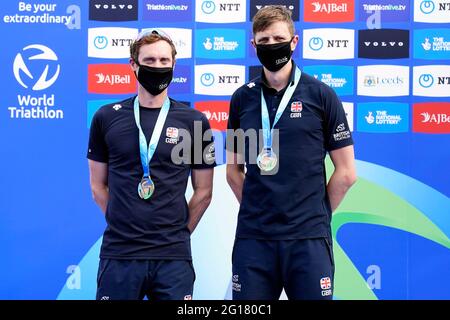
<point x="383" y="117"/>
<point x="220" y="43"/>
<point x="431" y="81"/>
<point x="432" y="44"/>
<point x="328" y="44"/>
<point x="340" y="78"/>
<point x="220" y="11"/>
<point x="432" y="11"/>
<point x="110" y="43"/>
<point x="32" y="55"/>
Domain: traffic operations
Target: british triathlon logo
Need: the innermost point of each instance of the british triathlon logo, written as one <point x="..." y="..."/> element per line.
<point x="218" y="79"/>
<point x="431" y="81"/>
<point x="328" y="11"/>
<point x="220" y="11"/>
<point x="113" y="10"/>
<point x="382" y="117"/>
<point x="432" y="11"/>
<point x="33" y="58"/>
<point x="328" y="44"/>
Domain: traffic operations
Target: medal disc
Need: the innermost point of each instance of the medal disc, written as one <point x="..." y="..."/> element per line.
<point x="146" y="188"/>
<point x="267" y="160"/>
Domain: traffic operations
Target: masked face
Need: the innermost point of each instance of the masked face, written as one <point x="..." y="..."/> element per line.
<point x="274" y="56"/>
<point x="154" y="80"/>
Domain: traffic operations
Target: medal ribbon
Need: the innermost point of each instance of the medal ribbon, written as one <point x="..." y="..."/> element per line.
<point x="267" y="130"/>
<point x="148" y="152"/>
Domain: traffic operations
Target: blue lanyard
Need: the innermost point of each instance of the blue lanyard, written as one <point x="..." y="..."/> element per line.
<point x="267" y="130"/>
<point x="148" y="152"/>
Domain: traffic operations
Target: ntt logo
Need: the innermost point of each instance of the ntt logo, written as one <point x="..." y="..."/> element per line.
<point x="208" y="7"/>
<point x="427" y="6"/>
<point x="316" y="43"/>
<point x="207" y="79"/>
<point x="426" y="80"/>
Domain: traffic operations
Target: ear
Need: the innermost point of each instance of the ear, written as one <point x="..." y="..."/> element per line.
<point x="294" y="42"/>
<point x="252" y="41"/>
<point x="133" y="65"/>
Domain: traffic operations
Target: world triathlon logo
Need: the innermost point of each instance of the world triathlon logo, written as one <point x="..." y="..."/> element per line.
<point x="208" y="7"/>
<point x="316" y="43"/>
<point x="39" y="62"/>
<point x="207" y="79"/>
<point x="427" y="6"/>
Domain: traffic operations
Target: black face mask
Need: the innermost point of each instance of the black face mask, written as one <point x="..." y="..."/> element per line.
<point x="274" y="56"/>
<point x="154" y="80"/>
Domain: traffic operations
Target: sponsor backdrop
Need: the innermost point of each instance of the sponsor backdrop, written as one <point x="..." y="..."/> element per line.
<point x="388" y="60"/>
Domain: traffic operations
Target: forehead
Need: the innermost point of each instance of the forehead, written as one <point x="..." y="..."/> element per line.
<point x="158" y="49"/>
<point x="278" y="28"/>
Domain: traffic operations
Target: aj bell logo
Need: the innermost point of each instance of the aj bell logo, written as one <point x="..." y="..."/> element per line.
<point x="329" y="7"/>
<point x="21" y="68"/>
<point x="435" y="118"/>
<point x="112" y="79"/>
